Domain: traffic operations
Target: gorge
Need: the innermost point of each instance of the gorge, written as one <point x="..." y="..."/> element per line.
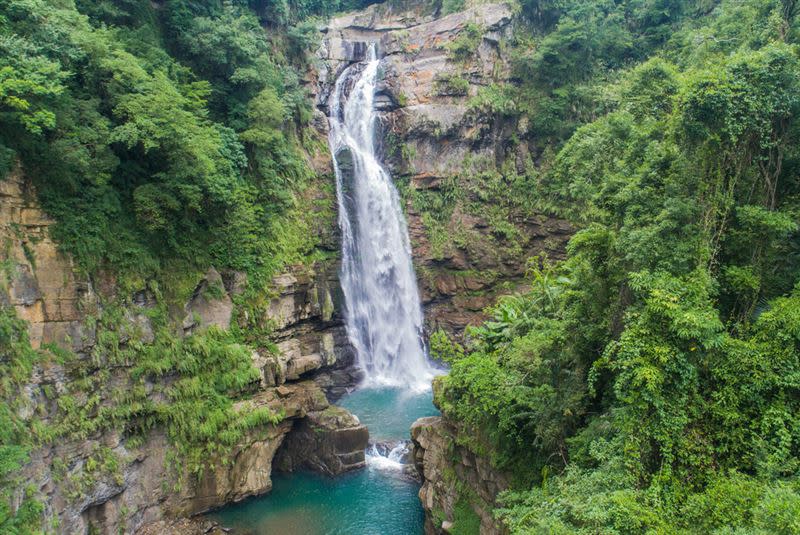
<point x="384" y="325"/>
<point x="415" y="266"/>
<point x="315" y="338"/>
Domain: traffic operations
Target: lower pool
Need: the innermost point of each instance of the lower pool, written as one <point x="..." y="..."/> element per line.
<point x="378" y="500"/>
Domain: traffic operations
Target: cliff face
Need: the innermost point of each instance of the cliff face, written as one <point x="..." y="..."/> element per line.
<point x="456" y="482"/>
<point x="454" y="163"/>
<point x="106" y="481"/>
<point x="43" y="287"/>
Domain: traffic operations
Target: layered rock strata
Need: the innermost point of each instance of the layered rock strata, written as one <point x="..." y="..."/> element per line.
<point x="330" y="441"/>
<point x="453" y="475"/>
<point x="447" y="156"/>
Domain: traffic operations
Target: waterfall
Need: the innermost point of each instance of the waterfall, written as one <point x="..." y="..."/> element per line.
<point x="382" y="307"/>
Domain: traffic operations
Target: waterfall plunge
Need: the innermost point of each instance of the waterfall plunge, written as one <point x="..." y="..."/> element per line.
<point x="383" y="312"/>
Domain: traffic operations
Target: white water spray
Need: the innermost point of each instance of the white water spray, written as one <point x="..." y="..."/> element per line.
<point x="393" y="460"/>
<point x="383" y="312"/>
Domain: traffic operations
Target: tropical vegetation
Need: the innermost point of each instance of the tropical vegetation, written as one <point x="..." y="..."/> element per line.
<point x="647" y="383"/>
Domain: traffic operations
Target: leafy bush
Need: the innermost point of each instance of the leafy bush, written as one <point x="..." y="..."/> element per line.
<point x="465" y="520"/>
<point x="465" y="45"/>
<point x="143" y="142"/>
<point x="452" y="6"/>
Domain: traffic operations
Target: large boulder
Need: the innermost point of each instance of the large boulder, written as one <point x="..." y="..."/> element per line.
<point x="331" y="441"/>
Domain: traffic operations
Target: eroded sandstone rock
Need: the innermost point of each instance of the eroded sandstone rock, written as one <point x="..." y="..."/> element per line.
<point x="45" y="287"/>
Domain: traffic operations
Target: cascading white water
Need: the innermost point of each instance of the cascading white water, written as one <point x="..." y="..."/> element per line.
<point x="383" y="312"/>
<point x="389" y="460"/>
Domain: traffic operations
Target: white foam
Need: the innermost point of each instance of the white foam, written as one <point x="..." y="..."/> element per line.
<point x="390" y="462"/>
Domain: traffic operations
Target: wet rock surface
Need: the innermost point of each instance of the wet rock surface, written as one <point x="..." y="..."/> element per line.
<point x="184" y="526"/>
<point x="400" y="450"/>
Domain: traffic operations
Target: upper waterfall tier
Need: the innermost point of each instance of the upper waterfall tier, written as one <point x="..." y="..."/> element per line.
<point x="384" y="316"/>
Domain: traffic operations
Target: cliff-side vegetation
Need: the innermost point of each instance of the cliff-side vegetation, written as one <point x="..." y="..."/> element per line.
<point x="165" y="130"/>
<point x="648" y="382"/>
<point x="163" y="137"/>
<point x="15" y="437"/>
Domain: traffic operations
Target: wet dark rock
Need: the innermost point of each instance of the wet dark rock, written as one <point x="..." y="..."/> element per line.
<point x="385" y="447"/>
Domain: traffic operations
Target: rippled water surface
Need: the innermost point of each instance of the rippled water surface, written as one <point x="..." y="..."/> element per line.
<point x="373" y="501"/>
<point x="389" y="412"/>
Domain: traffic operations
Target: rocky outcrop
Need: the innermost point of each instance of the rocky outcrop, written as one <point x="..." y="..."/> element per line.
<point x="147" y="483"/>
<point x="210" y="304"/>
<point x="306" y="309"/>
<point x="331" y="441"/>
<point x="454" y="162"/>
<point x="146" y="492"/>
<point x="109" y="480"/>
<point x="315" y="434"/>
<point x="453" y="475"/>
<point x="43" y="285"/>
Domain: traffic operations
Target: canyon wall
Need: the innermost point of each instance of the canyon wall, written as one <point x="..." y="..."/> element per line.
<point x="105" y="481"/>
<point x="453" y="162"/>
<point x="455" y="166"/>
<point x="463" y="176"/>
<point x="457" y="483"/>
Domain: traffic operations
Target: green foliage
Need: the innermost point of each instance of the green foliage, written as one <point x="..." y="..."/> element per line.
<point x="564" y="57"/>
<point x="465" y="45"/>
<point x="101" y="463"/>
<point x="465" y="520"/>
<point x="653" y="371"/>
<point x="452" y="6"/>
<point x="154" y="134"/>
<point x="16" y="364"/>
<point x="444" y="349"/>
<point x="196" y="389"/>
<point x="27" y="82"/>
<point x="493" y="100"/>
<point x="199" y="413"/>
<point x="452" y="85"/>
<point x="197" y="380"/>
